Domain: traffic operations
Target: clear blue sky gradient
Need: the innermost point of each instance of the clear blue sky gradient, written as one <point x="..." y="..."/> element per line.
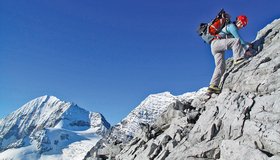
<point x="107" y="56"/>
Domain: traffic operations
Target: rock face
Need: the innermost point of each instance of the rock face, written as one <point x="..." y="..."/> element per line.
<point x="141" y="120"/>
<point x="146" y="112"/>
<point x="48" y="122"/>
<point x="243" y="122"/>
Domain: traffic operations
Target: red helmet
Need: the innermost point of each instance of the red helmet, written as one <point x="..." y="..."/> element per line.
<point x="243" y="19"/>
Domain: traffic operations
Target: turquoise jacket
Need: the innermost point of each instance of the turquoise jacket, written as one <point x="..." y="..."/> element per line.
<point x="231" y="30"/>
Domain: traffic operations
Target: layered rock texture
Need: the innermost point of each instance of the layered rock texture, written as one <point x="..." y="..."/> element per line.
<point x="243" y="122"/>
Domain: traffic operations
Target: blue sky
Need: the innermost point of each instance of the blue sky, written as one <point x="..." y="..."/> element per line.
<point x="108" y="56"/>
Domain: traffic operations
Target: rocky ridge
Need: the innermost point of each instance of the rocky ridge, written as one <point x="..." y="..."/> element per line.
<point x="243" y="122"/>
<point x="146" y="112"/>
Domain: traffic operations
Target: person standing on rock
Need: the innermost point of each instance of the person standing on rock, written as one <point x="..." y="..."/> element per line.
<point x="227" y="38"/>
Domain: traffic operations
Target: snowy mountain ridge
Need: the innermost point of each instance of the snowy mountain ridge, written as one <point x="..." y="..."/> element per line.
<point x="146" y="112"/>
<point x="151" y="108"/>
<point x="50" y="125"/>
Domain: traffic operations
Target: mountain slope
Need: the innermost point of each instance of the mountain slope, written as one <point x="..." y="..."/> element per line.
<point x="146" y="112"/>
<point x="243" y="122"/>
<point x="47" y="125"/>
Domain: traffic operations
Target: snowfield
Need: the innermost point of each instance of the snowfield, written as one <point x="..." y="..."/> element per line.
<point x="72" y="149"/>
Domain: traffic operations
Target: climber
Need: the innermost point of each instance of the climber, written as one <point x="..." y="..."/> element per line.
<point x="227" y="38"/>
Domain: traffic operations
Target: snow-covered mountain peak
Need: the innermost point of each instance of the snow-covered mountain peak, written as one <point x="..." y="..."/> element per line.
<point x="19" y="128"/>
<point x="41" y="99"/>
<point x="146" y="112"/>
<point x="156" y="100"/>
<point x="42" y="106"/>
<point x="165" y="94"/>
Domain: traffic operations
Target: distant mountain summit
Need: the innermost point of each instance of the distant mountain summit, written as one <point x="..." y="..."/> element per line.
<point x="41" y="120"/>
<point x="147" y="112"/>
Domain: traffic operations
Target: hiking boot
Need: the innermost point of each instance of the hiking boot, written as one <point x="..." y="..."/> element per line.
<point x="213" y="89"/>
<point x="237" y="62"/>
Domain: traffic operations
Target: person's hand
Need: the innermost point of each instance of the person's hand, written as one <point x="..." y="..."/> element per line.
<point x="248" y="54"/>
<point x="250" y="45"/>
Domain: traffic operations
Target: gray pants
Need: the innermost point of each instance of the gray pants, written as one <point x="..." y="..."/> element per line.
<point x="218" y="48"/>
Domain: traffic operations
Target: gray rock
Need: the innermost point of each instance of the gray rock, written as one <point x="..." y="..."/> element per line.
<point x="233" y="150"/>
<point x="243" y="122"/>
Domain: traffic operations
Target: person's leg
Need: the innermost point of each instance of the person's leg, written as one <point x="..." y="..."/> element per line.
<point x="237" y="49"/>
<point x="219" y="69"/>
<point x="218" y="48"/>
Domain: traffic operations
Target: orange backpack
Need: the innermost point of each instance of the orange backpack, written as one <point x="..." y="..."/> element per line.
<point x="217" y="25"/>
<point x="209" y="31"/>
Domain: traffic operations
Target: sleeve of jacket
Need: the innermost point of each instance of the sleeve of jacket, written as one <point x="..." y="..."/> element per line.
<point x="231" y="28"/>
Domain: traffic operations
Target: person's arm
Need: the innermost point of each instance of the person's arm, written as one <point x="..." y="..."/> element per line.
<point x="232" y="29"/>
